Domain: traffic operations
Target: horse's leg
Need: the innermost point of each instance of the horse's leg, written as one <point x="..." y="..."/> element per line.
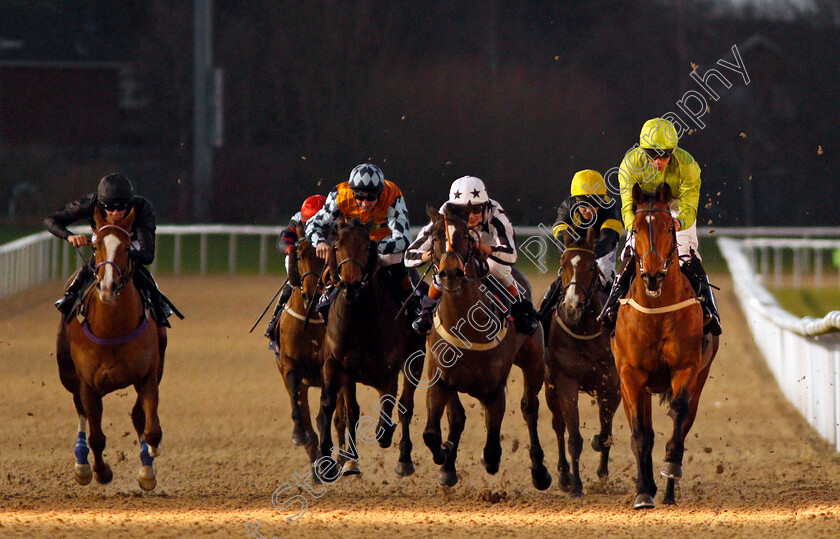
<point x="329" y="395"/>
<point x="351" y="466"/>
<point x="386" y="426"/>
<point x="93" y="409"/>
<point x="293" y="381"/>
<point x="559" y="426"/>
<point x="568" y="390"/>
<point x="405" y="466"/>
<point x="637" y="408"/>
<point x="144" y="415"/>
<point x="494" y="413"/>
<point x="163" y="339"/>
<point x="340" y="425"/>
<point x="70" y="381"/>
<point x="683" y="411"/>
<point x="447" y="477"/>
<point x="609" y="397"/>
<point x="533" y="370"/>
<point x="436" y="398"/>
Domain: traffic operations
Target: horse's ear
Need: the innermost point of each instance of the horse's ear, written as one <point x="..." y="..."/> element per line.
<point x="433" y="213"/>
<point x="663" y="193"/>
<point x="341" y="222"/>
<point x="299" y="230"/>
<point x="369" y="224"/>
<point x="129" y="218"/>
<point x="98" y="216"/>
<point x="591" y="236"/>
<point x="638" y="195"/>
<point x="567" y="238"/>
<point x="469" y="208"/>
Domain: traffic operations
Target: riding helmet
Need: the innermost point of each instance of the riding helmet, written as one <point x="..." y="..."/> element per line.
<point x="367" y="178"/>
<point x="114" y="188"/>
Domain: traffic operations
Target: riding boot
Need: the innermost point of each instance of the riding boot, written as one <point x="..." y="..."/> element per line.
<point x="162" y="309"/>
<point x="271" y="331"/>
<point x="547" y="306"/>
<point x="325" y="301"/>
<point x="525" y="317"/>
<point x="621" y="285"/>
<point x="423" y="322"/>
<point x="696" y="274"/>
<point x="66" y="305"/>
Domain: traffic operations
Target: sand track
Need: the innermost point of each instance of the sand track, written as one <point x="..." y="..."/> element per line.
<point x="753" y="467"/>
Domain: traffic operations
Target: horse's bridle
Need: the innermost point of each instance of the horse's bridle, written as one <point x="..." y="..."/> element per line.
<point x="591" y="288"/>
<point x="124" y="276"/>
<point x="480" y="261"/>
<point x="367" y="268"/>
<point x="668" y="260"/>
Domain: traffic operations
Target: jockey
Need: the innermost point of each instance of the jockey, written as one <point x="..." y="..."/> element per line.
<point x="496" y="236"/>
<point x="367" y="194"/>
<point x="657" y="160"/>
<point x="589" y="206"/>
<point x="114" y="197"/>
<point x="286" y="243"/>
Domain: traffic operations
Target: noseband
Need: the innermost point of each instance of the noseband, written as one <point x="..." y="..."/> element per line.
<point x="591" y="288"/>
<point x="480" y="261"/>
<point x="124" y="277"/>
<point x="668" y="260"/>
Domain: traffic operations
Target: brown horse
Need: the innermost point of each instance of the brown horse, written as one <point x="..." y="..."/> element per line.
<point x="300" y="338"/>
<point x="111" y="346"/>
<point x="366" y="344"/>
<point x="579" y="359"/>
<point x="659" y="345"/>
<point x="472" y="349"/>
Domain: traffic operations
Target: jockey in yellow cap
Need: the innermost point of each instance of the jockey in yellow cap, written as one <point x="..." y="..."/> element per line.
<point x="657" y="159"/>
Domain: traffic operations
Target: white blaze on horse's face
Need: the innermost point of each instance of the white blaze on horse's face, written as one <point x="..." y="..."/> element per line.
<point x="450" y="234"/>
<point x="108" y="283"/>
<point x="572" y="302"/>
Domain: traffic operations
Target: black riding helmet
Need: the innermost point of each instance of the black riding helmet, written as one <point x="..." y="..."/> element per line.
<point x="114" y="189"/>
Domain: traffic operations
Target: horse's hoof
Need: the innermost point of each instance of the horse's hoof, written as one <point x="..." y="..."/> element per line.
<point x="447" y="479"/>
<point x="300" y="438"/>
<point x="578" y="493"/>
<point x="491" y="467"/>
<point x="541" y="479"/>
<point x="146" y="478"/>
<point x="668" y="501"/>
<point x="83" y="473"/>
<point x="404" y="469"/>
<point x="672" y="470"/>
<point x="643" y="501"/>
<point x="351" y="467"/>
<point x="104" y="477"/>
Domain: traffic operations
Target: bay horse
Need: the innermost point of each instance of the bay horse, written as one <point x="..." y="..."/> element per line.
<point x="579" y="359"/>
<point x="111" y="346"/>
<point x="472" y="348"/>
<point x="659" y="344"/>
<point x="366" y="343"/>
<point x="300" y="339"/>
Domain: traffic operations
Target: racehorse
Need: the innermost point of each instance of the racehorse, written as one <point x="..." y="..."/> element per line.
<point x="110" y="346"/>
<point x="579" y="359"/>
<point x="300" y="338"/>
<point x="658" y="344"/>
<point x="366" y="343"/>
<point x="472" y="349"/>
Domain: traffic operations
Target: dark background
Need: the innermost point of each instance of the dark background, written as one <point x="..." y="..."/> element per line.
<point x="522" y="94"/>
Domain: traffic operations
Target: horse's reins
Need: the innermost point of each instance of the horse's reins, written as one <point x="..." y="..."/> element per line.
<point x="464" y="263"/>
<point x="125" y="277"/>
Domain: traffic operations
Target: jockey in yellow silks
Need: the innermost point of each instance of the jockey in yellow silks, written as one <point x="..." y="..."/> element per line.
<point x="657" y="159"/>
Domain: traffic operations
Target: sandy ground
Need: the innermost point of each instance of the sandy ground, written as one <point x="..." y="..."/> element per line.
<point x="753" y="467"/>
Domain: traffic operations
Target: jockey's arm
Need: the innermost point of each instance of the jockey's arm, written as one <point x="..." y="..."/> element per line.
<point x="398" y="224"/>
<point x="78" y="210"/>
<point x="609" y="233"/>
<point x="504" y="248"/>
<point x="318" y="225"/>
<point x="144" y="230"/>
<point x="419" y="252"/>
<point x="689" y="193"/>
<point x="289" y="236"/>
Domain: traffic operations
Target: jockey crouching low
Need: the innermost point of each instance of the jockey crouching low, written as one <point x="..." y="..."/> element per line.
<point x="496" y="240"/>
<point x="588" y="207"/>
<point x="114" y="197"/>
<point x="286" y="243"/>
<point x="367" y="194"/>
<point x="657" y="160"/>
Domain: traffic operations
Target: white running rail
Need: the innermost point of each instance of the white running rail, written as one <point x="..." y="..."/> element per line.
<point x="802" y="353"/>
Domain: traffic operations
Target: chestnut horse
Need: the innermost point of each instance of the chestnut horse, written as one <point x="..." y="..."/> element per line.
<point x="658" y="344"/>
<point x="300" y="338"/>
<point x="579" y="359"/>
<point x="111" y="346"/>
<point x="366" y="343"/>
<point x="472" y="349"/>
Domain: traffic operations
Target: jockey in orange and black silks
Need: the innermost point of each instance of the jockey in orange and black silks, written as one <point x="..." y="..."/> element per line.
<point x="367" y="194"/>
<point x="657" y="160"/>
<point x="497" y="242"/>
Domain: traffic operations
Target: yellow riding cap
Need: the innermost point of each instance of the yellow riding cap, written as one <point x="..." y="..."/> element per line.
<point x="588" y="182"/>
<point x="658" y="133"/>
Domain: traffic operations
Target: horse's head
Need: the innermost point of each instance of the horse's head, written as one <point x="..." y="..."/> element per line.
<point x="579" y="273"/>
<point x="354" y="257"/>
<point x="305" y="267"/>
<point x="656" y="240"/>
<point x="112" y="263"/>
<point x="452" y="244"/>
